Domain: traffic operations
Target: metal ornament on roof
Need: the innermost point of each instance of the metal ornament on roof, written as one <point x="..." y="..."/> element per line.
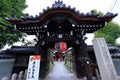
<point x="58" y="4"/>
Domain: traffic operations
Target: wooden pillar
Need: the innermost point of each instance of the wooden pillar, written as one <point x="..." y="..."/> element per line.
<point x="78" y="65"/>
<point x="38" y="48"/>
<point x="44" y="49"/>
<point x="84" y="59"/>
<point x="39" y="51"/>
<point x="88" y="71"/>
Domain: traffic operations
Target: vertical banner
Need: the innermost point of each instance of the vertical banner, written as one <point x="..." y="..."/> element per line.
<point x="33" y="67"/>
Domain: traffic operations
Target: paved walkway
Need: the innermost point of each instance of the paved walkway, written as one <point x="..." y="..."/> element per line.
<point x="59" y="72"/>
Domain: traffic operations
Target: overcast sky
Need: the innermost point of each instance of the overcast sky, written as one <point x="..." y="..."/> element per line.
<point x="36" y="6"/>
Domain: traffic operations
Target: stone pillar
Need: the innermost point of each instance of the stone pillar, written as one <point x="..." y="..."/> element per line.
<point x="105" y="64"/>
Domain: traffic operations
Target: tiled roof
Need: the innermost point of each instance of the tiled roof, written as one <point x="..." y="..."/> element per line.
<point x="114" y="51"/>
<point x="57" y="15"/>
<point x="21" y="49"/>
<point x="4" y="55"/>
<point x="60" y="5"/>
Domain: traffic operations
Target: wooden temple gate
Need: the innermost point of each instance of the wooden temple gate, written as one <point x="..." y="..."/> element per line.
<point x="63" y="23"/>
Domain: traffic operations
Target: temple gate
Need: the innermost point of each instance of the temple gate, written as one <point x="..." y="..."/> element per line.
<point x="63" y="23"/>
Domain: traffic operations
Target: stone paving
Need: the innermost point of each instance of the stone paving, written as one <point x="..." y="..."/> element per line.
<point x="59" y="72"/>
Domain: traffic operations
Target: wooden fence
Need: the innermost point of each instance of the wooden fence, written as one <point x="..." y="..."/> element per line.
<point x="21" y="76"/>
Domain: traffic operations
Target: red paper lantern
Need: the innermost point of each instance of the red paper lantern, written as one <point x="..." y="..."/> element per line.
<point x="60" y="46"/>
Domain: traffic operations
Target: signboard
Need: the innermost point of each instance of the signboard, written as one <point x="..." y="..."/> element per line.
<point x="33" y="67"/>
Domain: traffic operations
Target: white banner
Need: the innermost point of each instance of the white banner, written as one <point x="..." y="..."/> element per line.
<point x="33" y="67"/>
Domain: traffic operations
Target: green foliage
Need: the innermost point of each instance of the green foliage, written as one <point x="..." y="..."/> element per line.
<point x="10" y="8"/>
<point x="110" y="32"/>
<point x="97" y="12"/>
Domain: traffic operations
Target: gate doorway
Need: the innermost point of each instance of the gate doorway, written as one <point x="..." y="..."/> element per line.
<point x="61" y="23"/>
<point x="78" y="63"/>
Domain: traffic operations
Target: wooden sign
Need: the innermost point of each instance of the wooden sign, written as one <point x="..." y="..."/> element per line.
<point x="33" y="67"/>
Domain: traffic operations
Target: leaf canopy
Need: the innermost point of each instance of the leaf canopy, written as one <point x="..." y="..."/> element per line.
<point x="110" y="32"/>
<point x="10" y="8"/>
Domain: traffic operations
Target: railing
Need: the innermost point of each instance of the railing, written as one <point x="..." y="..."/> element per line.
<point x="21" y="76"/>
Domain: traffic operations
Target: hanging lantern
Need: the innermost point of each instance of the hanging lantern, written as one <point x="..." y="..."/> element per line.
<point x="60" y="46"/>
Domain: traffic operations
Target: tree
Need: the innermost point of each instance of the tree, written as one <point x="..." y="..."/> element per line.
<point x="110" y="32"/>
<point x="10" y="8"/>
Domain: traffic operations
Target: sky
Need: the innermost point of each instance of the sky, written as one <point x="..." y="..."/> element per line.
<point x="36" y="6"/>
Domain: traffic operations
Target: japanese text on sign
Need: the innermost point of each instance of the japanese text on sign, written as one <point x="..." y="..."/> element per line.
<point x="33" y="68"/>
